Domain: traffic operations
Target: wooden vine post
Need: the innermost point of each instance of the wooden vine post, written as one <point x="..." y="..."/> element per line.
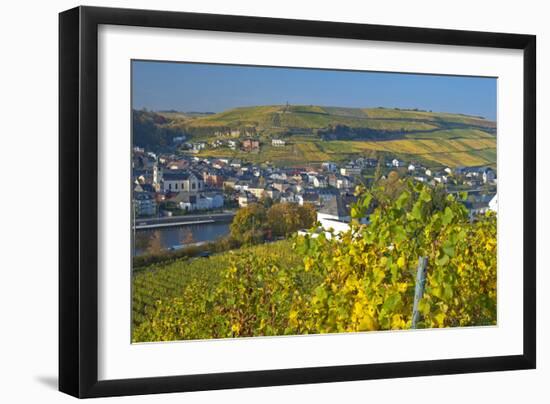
<point x="419" y="288"/>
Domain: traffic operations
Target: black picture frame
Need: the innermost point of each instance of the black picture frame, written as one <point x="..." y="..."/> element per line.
<point x="78" y="196"/>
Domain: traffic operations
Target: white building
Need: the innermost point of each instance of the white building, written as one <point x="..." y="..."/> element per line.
<point x="349" y="171"/>
<point x="343" y="183"/>
<point x="198" y="146"/>
<point x="319" y="182"/>
<point x="278" y="142"/>
<point x="334" y="215"/>
<point x="209" y="201"/>
<point x="198" y="201"/>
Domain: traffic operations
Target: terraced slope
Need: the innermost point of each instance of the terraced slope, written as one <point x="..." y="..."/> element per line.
<point x="282" y="117"/>
<point x="316" y="133"/>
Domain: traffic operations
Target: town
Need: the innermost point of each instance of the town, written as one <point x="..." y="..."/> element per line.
<point x="176" y="183"/>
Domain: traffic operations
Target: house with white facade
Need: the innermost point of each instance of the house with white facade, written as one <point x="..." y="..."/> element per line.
<point x="334" y="215"/>
<point x="197" y="147"/>
<point x="208" y="201"/>
<point x="343" y="183"/>
<point x="278" y="142"/>
<point x="350" y="171"/>
<point x="319" y="182"/>
<point x="191" y="201"/>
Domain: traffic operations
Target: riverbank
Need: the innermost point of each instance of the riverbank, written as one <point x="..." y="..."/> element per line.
<point x="184" y="220"/>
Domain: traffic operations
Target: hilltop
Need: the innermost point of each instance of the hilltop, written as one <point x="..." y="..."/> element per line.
<point x="320" y="133"/>
<point x="354" y="122"/>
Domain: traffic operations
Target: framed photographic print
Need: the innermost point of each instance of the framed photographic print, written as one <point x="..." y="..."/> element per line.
<point x="251" y="201"/>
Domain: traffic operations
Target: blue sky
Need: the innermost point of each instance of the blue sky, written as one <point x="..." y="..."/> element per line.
<point x="215" y="88"/>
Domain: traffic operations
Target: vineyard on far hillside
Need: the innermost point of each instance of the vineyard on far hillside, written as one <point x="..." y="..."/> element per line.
<point x="361" y="280"/>
<point x="314" y="134"/>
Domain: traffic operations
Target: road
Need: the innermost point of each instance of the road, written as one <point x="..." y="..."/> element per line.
<point x="152" y="223"/>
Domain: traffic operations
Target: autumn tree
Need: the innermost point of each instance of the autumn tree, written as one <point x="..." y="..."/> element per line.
<point x="249" y="224"/>
<point x="286" y="218"/>
<point x="308" y="215"/>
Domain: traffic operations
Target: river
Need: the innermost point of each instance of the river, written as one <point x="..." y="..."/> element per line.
<point x="166" y="238"/>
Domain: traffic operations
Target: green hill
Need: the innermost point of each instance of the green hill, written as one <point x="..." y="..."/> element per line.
<point x="316" y="133"/>
<point x="325" y="121"/>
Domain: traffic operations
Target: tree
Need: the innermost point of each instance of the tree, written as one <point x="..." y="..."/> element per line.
<point x="249" y="224"/>
<point x="286" y="218"/>
<point x="308" y="215"/>
<point x="152" y="130"/>
<point x="282" y="218"/>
